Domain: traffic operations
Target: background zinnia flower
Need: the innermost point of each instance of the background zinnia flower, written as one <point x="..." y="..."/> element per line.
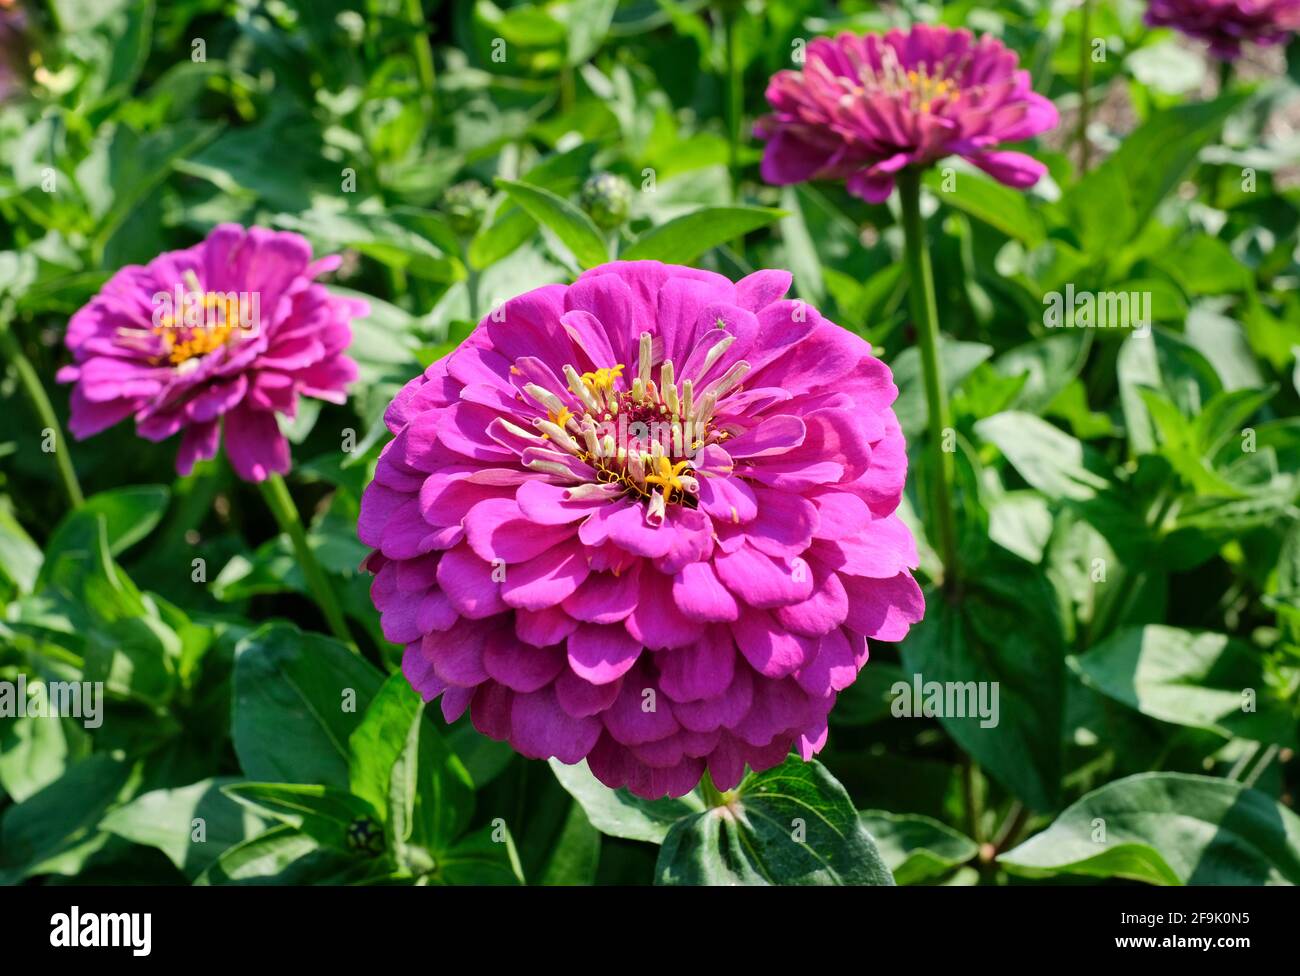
<point x="251" y="332"/>
<point x="1226" y="24"/>
<point x="864" y="107"/>
<point x="13" y="48"/>
<point x="656" y="600"/>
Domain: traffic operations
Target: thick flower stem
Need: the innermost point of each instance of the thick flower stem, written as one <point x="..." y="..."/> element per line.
<point x="735" y="111"/>
<point x="1085" y="84"/>
<point x="712" y="796"/>
<point x="925" y="317"/>
<point x="35" y="392"/>
<point x="278" y="500"/>
<point x="423" y="53"/>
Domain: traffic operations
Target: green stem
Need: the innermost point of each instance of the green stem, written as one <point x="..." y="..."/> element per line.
<point x="1258" y="771"/>
<point x="970" y="800"/>
<point x="35" y="392"/>
<point x="1225" y="77"/>
<point x="1085" y="85"/>
<point x="712" y="796"/>
<point x="925" y="317"/>
<point x="279" y="501"/>
<point x="423" y="52"/>
<point x="735" y="109"/>
<point x="471" y="283"/>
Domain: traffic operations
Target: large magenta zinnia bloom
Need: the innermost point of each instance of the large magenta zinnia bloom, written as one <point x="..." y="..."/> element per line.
<point x="864" y="107"/>
<point x="646" y="519"/>
<point x="229" y="331"/>
<point x="1227" y="24"/>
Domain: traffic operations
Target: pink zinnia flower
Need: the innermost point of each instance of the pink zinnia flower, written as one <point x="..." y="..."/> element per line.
<point x="13" y="48"/>
<point x="228" y="332"/>
<point x="864" y="107"/>
<point x="646" y="519"/>
<point x="1227" y="24"/>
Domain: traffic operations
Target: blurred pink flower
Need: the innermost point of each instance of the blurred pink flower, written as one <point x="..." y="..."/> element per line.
<point x="1226" y="24"/>
<point x="647" y="520"/>
<point x="864" y="107"/>
<point x="226" y="333"/>
<point x="13" y="48"/>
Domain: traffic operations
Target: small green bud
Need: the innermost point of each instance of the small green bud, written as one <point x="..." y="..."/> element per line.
<point x="607" y="197"/>
<point x="466" y="205"/>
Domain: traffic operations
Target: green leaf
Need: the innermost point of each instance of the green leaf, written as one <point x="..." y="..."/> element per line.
<point x="576" y="852"/>
<point x="284" y="856"/>
<point x="378" y="236"/>
<point x="917" y="848"/>
<point x="986" y="200"/>
<point x="1044" y="455"/>
<point x="791" y="825"/>
<point x="485" y="857"/>
<point x="800" y="250"/>
<point x="1142" y="172"/>
<point x="957" y="361"/>
<point x="573" y="227"/>
<point x="511" y="226"/>
<point x="619" y="813"/>
<point x="402" y="766"/>
<point x="297" y="698"/>
<point x="683" y="239"/>
<point x="326" y="815"/>
<point x="1168" y="364"/>
<point x="36" y="751"/>
<point x="192" y="825"/>
<point x="20" y="557"/>
<point x="1198" y="679"/>
<point x="55" y="830"/>
<point x="1006" y="631"/>
<point x="129" y="515"/>
<point x="1168" y="829"/>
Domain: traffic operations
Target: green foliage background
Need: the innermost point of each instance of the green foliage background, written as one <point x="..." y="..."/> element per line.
<point x="1127" y="504"/>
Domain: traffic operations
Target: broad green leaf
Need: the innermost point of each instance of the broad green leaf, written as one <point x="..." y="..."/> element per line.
<point x="1199" y="679"/>
<point x="55" y="830"/>
<point x="986" y="200"/>
<point x="1003" y="638"/>
<point x="800" y="251"/>
<point x="957" y="361"/>
<point x="192" y="825"/>
<point x="284" y="856"/>
<point x="333" y="818"/>
<point x="573" y="227"/>
<point x="1141" y="173"/>
<point x="1044" y="455"/>
<point x="511" y="226"/>
<point x="1048" y="366"/>
<point x="588" y="22"/>
<point x="1167" y="363"/>
<point x="20" y="557"/>
<point x="378" y="236"/>
<point x="576" y="851"/>
<point x="129" y="515"/>
<point x="683" y="239"/>
<point x="791" y="825"/>
<point x="1168" y="829"/>
<point x="486" y="857"/>
<point x="619" y="813"/>
<point x="297" y="698"/>
<point x="917" y="848"/>
<point x="36" y="751"/>
<point x="402" y="766"/>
